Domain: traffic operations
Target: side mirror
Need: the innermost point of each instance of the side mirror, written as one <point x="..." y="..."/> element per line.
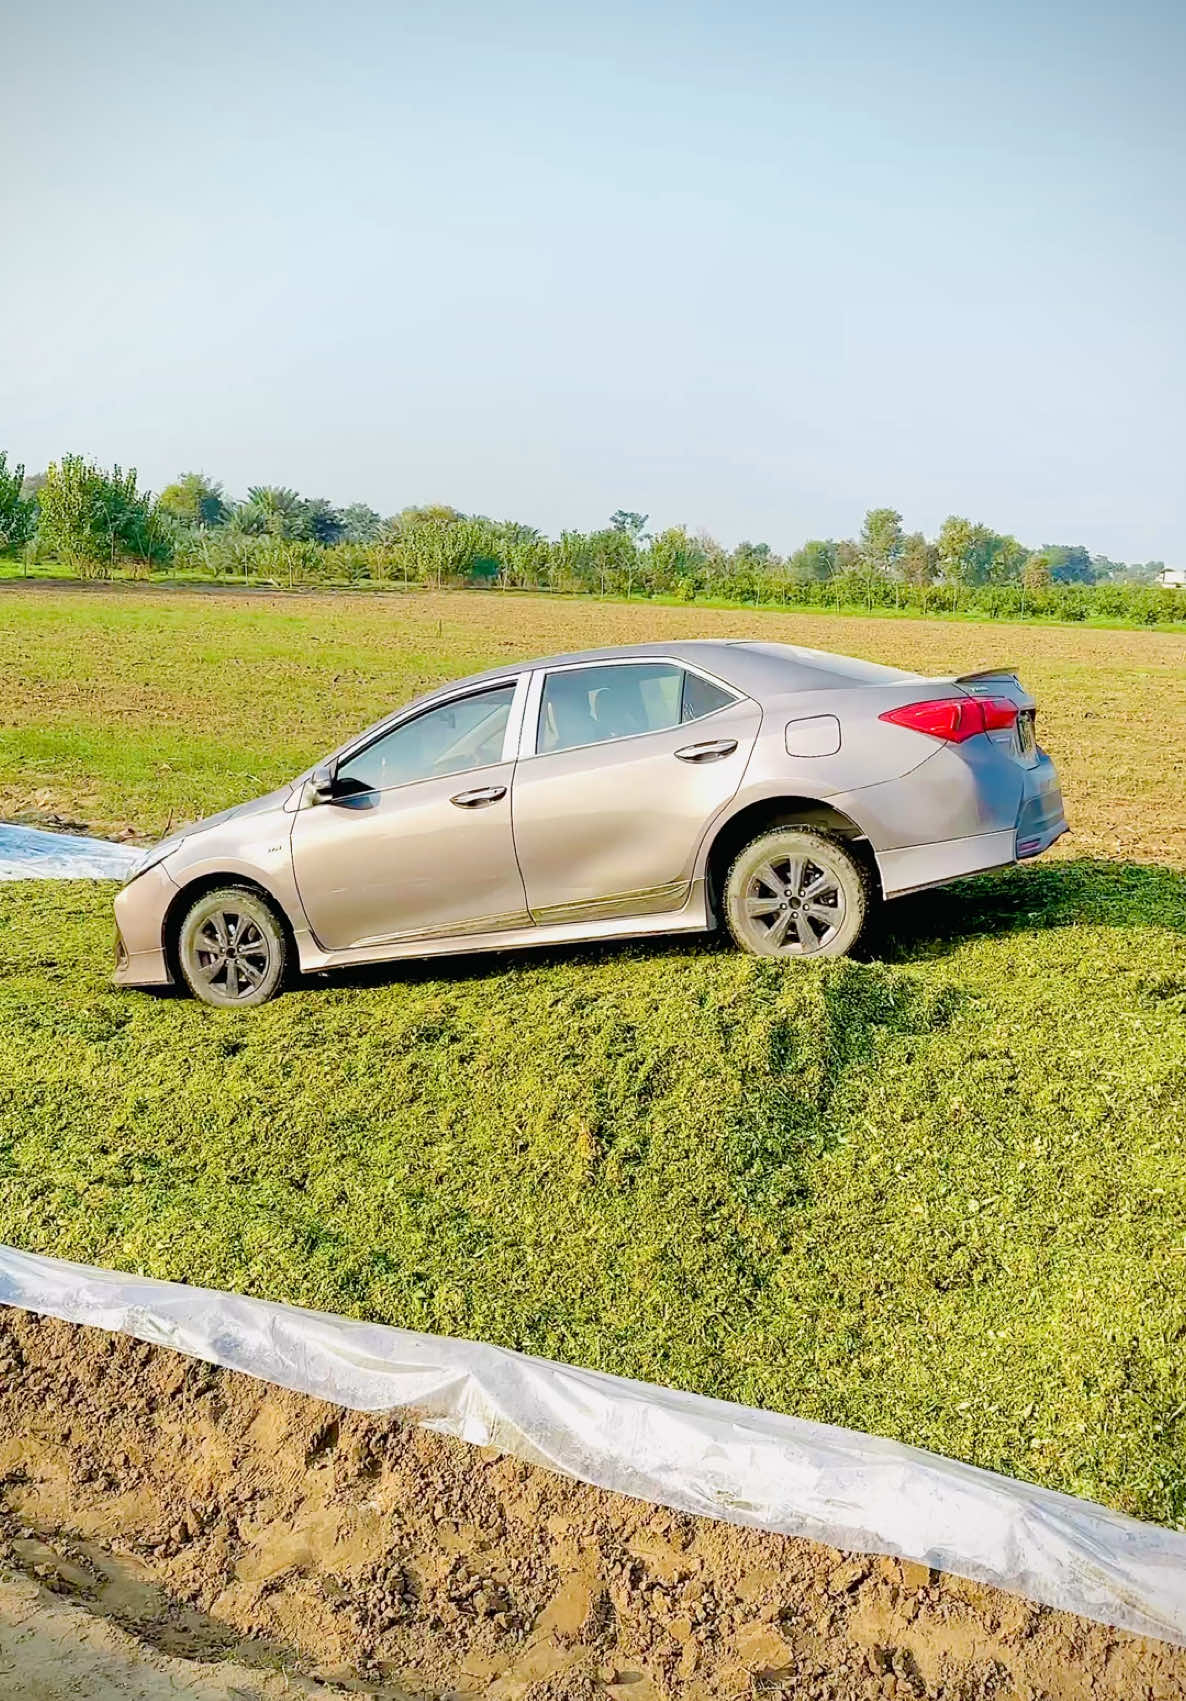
<point x="323" y="783"/>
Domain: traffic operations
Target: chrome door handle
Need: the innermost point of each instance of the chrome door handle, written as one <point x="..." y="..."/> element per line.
<point x="480" y="798"/>
<point x="710" y="752"/>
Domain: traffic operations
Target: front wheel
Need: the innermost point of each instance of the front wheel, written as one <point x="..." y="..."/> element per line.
<point x="232" y="949"/>
<point x="796" y="892"/>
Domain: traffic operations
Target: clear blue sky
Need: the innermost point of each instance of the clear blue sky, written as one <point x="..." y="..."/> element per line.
<point x="751" y="267"/>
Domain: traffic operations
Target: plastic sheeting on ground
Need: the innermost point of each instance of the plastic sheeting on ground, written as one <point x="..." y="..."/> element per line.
<point x="26" y="853"/>
<point x="680" y="1450"/>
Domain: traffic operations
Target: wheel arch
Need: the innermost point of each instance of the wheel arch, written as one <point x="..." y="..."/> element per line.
<point x="188" y="894"/>
<point x="759" y="816"/>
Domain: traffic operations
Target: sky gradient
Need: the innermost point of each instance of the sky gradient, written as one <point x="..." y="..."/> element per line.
<point x="751" y="267"/>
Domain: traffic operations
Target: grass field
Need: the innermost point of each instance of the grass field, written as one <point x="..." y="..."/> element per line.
<point x="938" y="1194"/>
<point x="126" y="708"/>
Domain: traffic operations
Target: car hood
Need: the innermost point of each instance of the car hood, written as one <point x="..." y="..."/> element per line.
<point x="256" y="806"/>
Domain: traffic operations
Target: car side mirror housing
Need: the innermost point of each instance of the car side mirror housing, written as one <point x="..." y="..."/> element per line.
<point x="323" y="783"/>
<point x="326" y="785"/>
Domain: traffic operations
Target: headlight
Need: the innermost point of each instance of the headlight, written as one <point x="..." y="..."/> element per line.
<point x="158" y="853"/>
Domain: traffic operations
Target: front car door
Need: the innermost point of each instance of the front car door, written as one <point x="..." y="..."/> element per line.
<point x="624" y="766"/>
<point x="417" y="843"/>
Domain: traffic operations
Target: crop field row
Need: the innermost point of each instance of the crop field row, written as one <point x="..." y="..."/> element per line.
<point x="938" y="1193"/>
<point x="131" y="709"/>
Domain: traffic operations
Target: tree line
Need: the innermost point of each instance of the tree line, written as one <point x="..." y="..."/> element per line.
<point x="97" y="522"/>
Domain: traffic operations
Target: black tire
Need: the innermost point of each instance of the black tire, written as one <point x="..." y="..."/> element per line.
<point x="797" y="892"/>
<point x="232" y="948"/>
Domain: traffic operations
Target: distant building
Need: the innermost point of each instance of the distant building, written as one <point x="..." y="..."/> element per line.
<point x="1173" y="578"/>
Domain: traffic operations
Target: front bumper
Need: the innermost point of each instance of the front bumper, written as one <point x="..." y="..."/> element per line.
<point x="140" y="910"/>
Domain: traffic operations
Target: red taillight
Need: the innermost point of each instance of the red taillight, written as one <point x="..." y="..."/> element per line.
<point x="998" y="712"/>
<point x="954" y="718"/>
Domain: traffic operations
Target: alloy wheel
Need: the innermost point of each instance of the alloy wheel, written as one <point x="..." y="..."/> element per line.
<point x="792" y="904"/>
<point x="231" y="953"/>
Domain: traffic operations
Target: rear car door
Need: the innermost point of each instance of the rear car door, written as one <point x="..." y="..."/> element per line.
<point x="418" y="845"/>
<point x="623" y="767"/>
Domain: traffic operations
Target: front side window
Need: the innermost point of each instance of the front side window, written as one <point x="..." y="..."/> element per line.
<point x="467" y="733"/>
<point x="588" y="705"/>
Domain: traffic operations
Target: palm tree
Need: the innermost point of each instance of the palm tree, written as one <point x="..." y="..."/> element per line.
<point x="278" y="506"/>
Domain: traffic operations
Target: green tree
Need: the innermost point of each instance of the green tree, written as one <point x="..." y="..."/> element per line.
<point x="277" y="509"/>
<point x="749" y="554"/>
<point x="605" y="562"/>
<point x="968" y="553"/>
<point x="522" y="553"/>
<point x="1070" y="564"/>
<point x="361" y="524"/>
<point x="1035" y="571"/>
<point x="743" y="571"/>
<point x="614" y="560"/>
<point x="295" y="560"/>
<point x="747" y="573"/>
<point x="1005" y="560"/>
<point x="881" y="540"/>
<point x="1136" y="572"/>
<point x="954" y="547"/>
<point x="149" y="536"/>
<point x="570" y="562"/>
<point x="919" y="560"/>
<point x="93" y="520"/>
<point x="437" y="545"/>
<point x="246" y="520"/>
<point x="318" y="521"/>
<point x="17" y="510"/>
<point x="634" y="525"/>
<point x="676" y="562"/>
<point x="814" y="562"/>
<point x="195" y="500"/>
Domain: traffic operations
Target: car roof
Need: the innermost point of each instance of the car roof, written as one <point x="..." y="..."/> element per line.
<point x="752" y="667"/>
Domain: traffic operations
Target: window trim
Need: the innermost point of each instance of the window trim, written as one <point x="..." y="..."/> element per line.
<point x="413" y="712"/>
<point x="535" y="697"/>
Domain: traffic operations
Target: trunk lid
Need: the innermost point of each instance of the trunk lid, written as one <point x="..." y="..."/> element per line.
<point x="1020" y="740"/>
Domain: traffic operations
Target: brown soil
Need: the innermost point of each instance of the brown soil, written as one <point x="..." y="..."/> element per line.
<point x="52" y="1649"/>
<point x="159" y="1517"/>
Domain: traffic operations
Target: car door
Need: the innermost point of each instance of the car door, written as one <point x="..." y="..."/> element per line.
<point x="627" y="765"/>
<point x="417" y="841"/>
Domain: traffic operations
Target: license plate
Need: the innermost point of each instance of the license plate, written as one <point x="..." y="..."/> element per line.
<point x="1026" y="736"/>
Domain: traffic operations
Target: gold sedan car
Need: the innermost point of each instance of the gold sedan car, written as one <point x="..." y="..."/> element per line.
<point x="659" y="788"/>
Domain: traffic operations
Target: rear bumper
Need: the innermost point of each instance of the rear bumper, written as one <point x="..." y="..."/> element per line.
<point x="1040" y="819"/>
<point x="917" y="866"/>
<point x="1028" y="809"/>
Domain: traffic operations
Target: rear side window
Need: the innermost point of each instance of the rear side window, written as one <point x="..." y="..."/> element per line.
<point x="702" y="697"/>
<point x="590" y="705"/>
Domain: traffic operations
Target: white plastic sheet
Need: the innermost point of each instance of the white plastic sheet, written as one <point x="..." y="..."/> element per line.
<point x="26" y="853"/>
<point x="679" y="1450"/>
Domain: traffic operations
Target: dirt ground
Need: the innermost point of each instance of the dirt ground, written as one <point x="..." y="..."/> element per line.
<point x="167" y="1528"/>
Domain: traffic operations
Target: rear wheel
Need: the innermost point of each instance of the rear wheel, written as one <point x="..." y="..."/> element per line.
<point x="232" y="948"/>
<point x="796" y="892"/>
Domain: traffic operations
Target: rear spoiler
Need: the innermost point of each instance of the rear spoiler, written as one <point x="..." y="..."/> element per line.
<point x="990" y="679"/>
<point x="988" y="673"/>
